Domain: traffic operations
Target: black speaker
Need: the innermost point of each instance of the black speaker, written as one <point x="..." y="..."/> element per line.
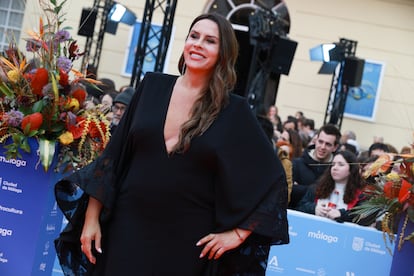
<point x="87" y="22"/>
<point x="352" y="72"/>
<point x="282" y="53"/>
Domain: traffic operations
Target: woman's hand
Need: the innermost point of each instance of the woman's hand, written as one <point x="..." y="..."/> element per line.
<point x="321" y="211"/>
<point x="217" y="244"/>
<point x="333" y="214"/>
<point x="91" y="232"/>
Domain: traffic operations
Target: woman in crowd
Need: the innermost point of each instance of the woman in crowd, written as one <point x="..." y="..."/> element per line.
<point x="337" y="191"/>
<point x="171" y="194"/>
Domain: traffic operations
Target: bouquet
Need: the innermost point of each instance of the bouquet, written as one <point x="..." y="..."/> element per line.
<point x="390" y="196"/>
<point x="44" y="97"/>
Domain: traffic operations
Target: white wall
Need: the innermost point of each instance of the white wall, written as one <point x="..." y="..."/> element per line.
<point x="384" y="30"/>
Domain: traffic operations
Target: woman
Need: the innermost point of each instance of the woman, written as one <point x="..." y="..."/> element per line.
<point x="338" y="189"/>
<point x="171" y="194"/>
<point x="292" y="136"/>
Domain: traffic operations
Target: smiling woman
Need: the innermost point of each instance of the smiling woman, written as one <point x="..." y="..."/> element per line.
<point x="172" y="185"/>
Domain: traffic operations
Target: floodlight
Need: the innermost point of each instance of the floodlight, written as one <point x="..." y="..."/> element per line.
<point x="327" y="52"/>
<point x="119" y="13"/>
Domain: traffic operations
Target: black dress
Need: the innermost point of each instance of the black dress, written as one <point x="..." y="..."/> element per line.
<point x="158" y="205"/>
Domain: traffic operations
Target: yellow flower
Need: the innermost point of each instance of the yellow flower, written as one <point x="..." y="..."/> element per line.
<point x="13" y="75"/>
<point x="393" y="176"/>
<point x="66" y="138"/>
<point x="73" y="105"/>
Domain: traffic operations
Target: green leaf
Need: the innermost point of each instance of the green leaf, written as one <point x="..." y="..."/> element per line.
<point x="6" y="90"/>
<point x="47" y="151"/>
<point x="38" y="106"/>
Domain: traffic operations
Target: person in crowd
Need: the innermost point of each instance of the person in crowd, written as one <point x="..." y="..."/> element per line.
<point x="292" y="136"/>
<point x="119" y="106"/>
<point x="406" y="150"/>
<point x="391" y="148"/>
<point x="377" y="149"/>
<point x="171" y="185"/>
<point x="349" y="137"/>
<point x="273" y="115"/>
<point x="348" y="147"/>
<point x="291" y="123"/>
<point x="267" y="127"/>
<point x="337" y="191"/>
<point x="107" y="101"/>
<point x="299" y="115"/>
<point x="307" y="131"/>
<point x="313" y="162"/>
<point x="284" y="152"/>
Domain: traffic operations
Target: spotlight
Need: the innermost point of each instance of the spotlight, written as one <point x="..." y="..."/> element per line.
<point x="119" y="13"/>
<point x="327" y="52"/>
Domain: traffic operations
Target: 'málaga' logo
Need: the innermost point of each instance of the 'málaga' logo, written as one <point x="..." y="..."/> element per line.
<point x="17" y="162"/>
<point x="322" y="236"/>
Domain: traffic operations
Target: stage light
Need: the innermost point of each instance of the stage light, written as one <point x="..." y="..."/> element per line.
<point x="119" y="13"/>
<point x="327" y="52"/>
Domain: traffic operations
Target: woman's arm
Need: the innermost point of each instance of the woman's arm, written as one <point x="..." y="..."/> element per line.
<point x="218" y="243"/>
<point x="91" y="233"/>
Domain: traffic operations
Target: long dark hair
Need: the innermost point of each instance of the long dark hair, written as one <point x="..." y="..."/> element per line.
<point x="223" y="79"/>
<point x="326" y="184"/>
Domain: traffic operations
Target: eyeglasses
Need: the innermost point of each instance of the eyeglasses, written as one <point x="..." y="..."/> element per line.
<point x="116" y="108"/>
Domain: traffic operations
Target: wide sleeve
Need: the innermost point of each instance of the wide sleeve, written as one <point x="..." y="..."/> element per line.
<point x="251" y="188"/>
<point x="100" y="179"/>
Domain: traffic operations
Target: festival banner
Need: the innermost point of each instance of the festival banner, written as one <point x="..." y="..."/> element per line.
<point x="320" y="246"/>
<point x="29" y="217"/>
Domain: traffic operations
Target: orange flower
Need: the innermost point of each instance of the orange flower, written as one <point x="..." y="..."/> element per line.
<point x="32" y="121"/>
<point x="40" y="79"/>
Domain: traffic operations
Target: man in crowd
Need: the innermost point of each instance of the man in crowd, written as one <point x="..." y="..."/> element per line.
<point x="119" y="106"/>
<point x="315" y="159"/>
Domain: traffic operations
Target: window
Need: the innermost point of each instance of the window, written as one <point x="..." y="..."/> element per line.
<point x="11" y="19"/>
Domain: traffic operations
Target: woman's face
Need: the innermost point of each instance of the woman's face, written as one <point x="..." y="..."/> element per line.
<point x="285" y="136"/>
<point x="340" y="169"/>
<point x="107" y="101"/>
<point x="201" y="49"/>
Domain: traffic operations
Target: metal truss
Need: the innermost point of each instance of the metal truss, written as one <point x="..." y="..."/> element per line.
<point x="160" y="38"/>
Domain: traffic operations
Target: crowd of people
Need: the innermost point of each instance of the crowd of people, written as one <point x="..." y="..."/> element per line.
<point x="325" y="165"/>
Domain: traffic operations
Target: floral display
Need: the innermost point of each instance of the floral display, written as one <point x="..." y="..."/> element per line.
<point x="44" y="97"/>
<point x="390" y="195"/>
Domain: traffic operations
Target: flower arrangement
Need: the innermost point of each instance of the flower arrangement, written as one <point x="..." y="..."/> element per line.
<point x="45" y="98"/>
<point x="390" y="195"/>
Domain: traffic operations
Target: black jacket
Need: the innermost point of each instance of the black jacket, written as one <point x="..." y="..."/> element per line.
<point x="305" y="171"/>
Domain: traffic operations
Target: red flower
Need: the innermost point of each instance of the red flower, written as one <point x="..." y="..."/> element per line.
<point x="40" y="79"/>
<point x="390" y="190"/>
<point x="80" y="95"/>
<point x="77" y="129"/>
<point x="64" y="78"/>
<point x="404" y="193"/>
<point x="33" y="121"/>
<point x="94" y="131"/>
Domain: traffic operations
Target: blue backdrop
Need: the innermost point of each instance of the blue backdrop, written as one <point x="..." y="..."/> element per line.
<point x="319" y="246"/>
<point x="29" y="217"/>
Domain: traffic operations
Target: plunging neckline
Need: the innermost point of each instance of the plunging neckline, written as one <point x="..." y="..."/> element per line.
<point x="181" y="105"/>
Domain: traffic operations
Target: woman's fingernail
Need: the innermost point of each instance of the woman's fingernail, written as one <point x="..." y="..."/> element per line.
<point x="99" y="250"/>
<point x="201" y="255"/>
